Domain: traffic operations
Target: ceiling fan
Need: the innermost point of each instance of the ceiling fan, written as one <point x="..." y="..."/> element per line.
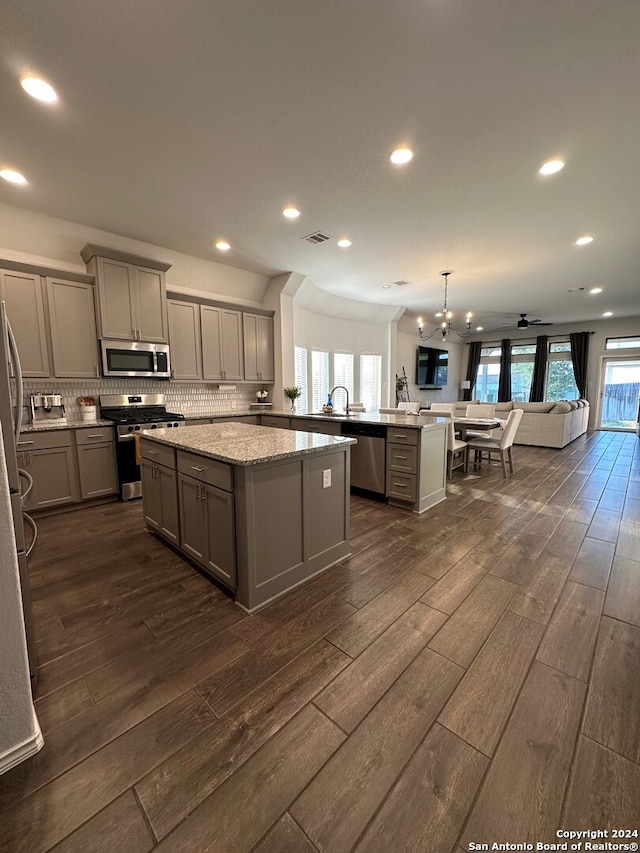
<point x="523" y="323"/>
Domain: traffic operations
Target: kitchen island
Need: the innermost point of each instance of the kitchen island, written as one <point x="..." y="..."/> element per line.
<point x="259" y="509"/>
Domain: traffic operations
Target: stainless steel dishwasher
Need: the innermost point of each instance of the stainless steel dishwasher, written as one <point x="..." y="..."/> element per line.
<point x="368" y="466"/>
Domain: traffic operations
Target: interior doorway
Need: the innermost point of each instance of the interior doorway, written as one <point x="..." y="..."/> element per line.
<point x="620" y="383"/>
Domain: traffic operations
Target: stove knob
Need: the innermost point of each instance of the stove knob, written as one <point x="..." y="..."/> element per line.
<point x="176" y="424"/>
<point x="169" y="425"/>
<point x="137" y="426"/>
<point x="154" y="426"/>
<point x="129" y="429"/>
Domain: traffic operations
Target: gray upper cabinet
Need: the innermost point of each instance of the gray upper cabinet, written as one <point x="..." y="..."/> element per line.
<point x="23" y="295"/>
<point x="132" y="304"/>
<point x="222" y="356"/>
<point x="72" y="316"/>
<point x="258" y="347"/>
<point x="184" y="338"/>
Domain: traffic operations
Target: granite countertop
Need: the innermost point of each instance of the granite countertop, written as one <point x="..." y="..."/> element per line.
<point x="244" y="444"/>
<point x="70" y="424"/>
<point x="406" y="420"/>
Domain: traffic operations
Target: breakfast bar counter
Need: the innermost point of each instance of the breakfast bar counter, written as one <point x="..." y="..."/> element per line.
<point x="259" y="509"/>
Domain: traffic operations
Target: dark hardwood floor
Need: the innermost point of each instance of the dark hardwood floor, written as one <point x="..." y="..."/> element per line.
<point x="469" y="675"/>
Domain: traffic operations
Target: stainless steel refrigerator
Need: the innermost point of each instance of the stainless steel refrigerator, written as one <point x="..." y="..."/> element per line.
<point x="20" y="482"/>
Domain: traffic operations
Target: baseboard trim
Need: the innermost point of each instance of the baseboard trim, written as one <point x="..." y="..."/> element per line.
<point x="21" y="751"/>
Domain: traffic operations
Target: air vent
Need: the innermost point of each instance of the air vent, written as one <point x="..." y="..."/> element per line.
<point x="402" y="283"/>
<point x="317" y="237"/>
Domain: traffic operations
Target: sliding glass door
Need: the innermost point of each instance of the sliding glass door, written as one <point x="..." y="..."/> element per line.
<point x="620" y="385"/>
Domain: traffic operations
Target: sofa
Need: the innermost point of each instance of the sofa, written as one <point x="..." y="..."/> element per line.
<point x="543" y="424"/>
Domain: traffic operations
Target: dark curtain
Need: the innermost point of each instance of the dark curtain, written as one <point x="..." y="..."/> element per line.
<point x="504" y="385"/>
<point x="580" y="358"/>
<point x="536" y="395"/>
<point x="475" y="348"/>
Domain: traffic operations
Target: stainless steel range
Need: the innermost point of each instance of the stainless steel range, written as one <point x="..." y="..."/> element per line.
<point x="133" y="413"/>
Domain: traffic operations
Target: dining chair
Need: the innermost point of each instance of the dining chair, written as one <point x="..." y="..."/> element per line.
<point x="500" y="446"/>
<point x="444" y="409"/>
<point x="480" y="410"/>
<point x="357" y="407"/>
<point x="455" y="449"/>
<point x="388" y="411"/>
<point x="410" y="408"/>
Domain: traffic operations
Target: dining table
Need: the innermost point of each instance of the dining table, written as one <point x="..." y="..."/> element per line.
<point x="462" y="425"/>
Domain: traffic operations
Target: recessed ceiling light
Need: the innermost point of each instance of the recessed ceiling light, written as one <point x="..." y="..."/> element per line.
<point x="344" y="244"/>
<point x="551" y="167"/>
<point x="584" y="241"/>
<point x="608" y="314"/>
<point x="39" y="89"/>
<point x="596" y="290"/>
<point x="291" y="212"/>
<point x="479" y="328"/>
<point x="223" y="246"/>
<point x="401" y="155"/>
<point x="386" y="286"/>
<point x="12" y="176"/>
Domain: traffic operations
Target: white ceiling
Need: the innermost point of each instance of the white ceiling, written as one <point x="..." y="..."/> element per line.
<point x="181" y="122"/>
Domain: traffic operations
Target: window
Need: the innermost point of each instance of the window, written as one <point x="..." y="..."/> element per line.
<point x="561" y="383"/>
<point x="370" y="381"/>
<point x="300" y="357"/>
<point x="622" y="343"/>
<point x="343" y="372"/>
<point x="319" y="379"/>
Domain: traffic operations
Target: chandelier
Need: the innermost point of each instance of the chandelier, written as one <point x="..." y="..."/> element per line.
<point x="445" y="327"/>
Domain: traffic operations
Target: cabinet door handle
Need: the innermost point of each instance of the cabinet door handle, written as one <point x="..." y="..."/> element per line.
<point x="97" y="372"/>
<point x="399" y="435"/>
<point x="397" y="456"/>
<point x="195" y="468"/>
<point x="153" y="452"/>
<point x="400" y="485"/>
<point x="20" y="443"/>
<point x="95" y="435"/>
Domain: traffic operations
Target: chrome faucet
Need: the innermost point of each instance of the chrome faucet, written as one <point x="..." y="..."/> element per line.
<point x="346" y="391"/>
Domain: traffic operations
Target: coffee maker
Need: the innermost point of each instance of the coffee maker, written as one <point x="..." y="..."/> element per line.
<point x="47" y="410"/>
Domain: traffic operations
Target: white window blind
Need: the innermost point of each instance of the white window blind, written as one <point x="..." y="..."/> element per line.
<point x="343" y="374"/>
<point x="319" y="379"/>
<point x="370" y="381"/>
<point x="300" y="356"/>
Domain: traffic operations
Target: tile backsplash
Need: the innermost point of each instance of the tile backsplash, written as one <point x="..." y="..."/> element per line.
<point x="188" y="398"/>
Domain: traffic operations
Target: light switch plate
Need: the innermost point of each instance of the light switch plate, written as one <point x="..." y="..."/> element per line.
<point x="326" y="478"/>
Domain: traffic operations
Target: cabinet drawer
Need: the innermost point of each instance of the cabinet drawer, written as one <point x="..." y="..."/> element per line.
<point x="402" y="486"/>
<point x="94" y="436"/>
<point x="161" y="454"/>
<point x="397" y="435"/>
<point x="43" y="440"/>
<point x="207" y="470"/>
<point x="402" y="458"/>
<point x="274" y="421"/>
<point x="324" y="427"/>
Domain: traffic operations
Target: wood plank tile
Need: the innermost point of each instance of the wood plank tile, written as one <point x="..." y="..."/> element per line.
<point x="628" y="544"/>
<point x="612" y="500"/>
<point x="233" y="683"/>
<point x="48" y="815"/>
<point x="355" y="691"/>
<point x="631" y="511"/>
<point x="480" y="705"/>
<point x="448" y="594"/>
<point x="604" y="789"/>
<point x="441" y="559"/>
<point x="292" y="757"/>
<point x="623" y="593"/>
<point x="285" y="837"/>
<point x="605" y="525"/>
<point x="362" y="588"/>
<point x="515" y="564"/>
<point x="570" y="637"/>
<point x="538" y="594"/>
<point x="428" y="804"/>
<point x="582" y="510"/>
<point x="522" y="793"/>
<point x="177" y="786"/>
<point x="343" y="797"/>
<point x="118" y="827"/>
<point x="59" y="707"/>
<point x="593" y="563"/>
<point x="464" y="633"/>
<point x="361" y="629"/>
<point x="612" y="715"/>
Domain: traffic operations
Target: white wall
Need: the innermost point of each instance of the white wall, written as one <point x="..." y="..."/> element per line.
<point x="602" y="329"/>
<point x="408" y="343"/>
<point x="48" y="241"/>
<point x="19" y="730"/>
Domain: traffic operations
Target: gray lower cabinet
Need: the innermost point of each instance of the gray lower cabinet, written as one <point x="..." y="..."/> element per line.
<point x="22" y="293"/>
<point x="276" y="421"/>
<point x="96" y="463"/>
<point x="160" y="499"/>
<point x="50" y="459"/>
<point x="207" y="527"/>
<point x="311" y="425"/>
<point x="72" y="317"/>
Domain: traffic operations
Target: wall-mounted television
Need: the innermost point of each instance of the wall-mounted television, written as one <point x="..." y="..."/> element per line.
<point x="431" y="367"/>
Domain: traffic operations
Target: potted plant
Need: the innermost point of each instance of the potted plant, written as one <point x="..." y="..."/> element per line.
<point x="292" y="393"/>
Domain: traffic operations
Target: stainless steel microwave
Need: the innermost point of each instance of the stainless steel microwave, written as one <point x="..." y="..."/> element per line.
<point x="135" y="358"/>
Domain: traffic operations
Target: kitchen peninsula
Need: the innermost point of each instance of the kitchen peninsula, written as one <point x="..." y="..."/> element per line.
<point x="259" y="509"/>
